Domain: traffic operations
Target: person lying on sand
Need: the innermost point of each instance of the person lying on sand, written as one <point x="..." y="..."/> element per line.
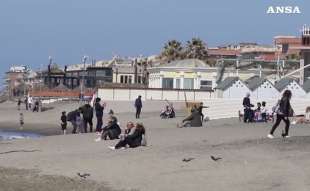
<point x="194" y="120"/>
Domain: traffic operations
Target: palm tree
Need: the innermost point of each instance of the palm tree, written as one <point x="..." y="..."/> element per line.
<point x="172" y="50"/>
<point x="196" y="48"/>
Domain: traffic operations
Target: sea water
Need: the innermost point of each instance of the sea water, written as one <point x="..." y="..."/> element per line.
<point x="11" y="135"/>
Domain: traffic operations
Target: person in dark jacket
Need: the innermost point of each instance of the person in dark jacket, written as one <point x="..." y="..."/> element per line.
<point x="99" y="114"/>
<point x="26" y="102"/>
<point x="87" y="112"/>
<point x="138" y="105"/>
<point x="194" y="120"/>
<point x="200" y="108"/>
<point x="72" y="118"/>
<point x="133" y="138"/>
<point x="63" y="120"/>
<point x="248" y="113"/>
<point x="283" y="113"/>
<point x="112" y="130"/>
<point x="19" y="102"/>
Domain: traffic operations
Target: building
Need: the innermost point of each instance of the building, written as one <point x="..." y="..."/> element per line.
<point x="292" y="85"/>
<point x="182" y="74"/>
<point x="19" y="80"/>
<point x="195" y="74"/>
<point x="231" y="87"/>
<point x="128" y="71"/>
<point x="306" y="87"/>
<point x="261" y="88"/>
<point x="94" y="74"/>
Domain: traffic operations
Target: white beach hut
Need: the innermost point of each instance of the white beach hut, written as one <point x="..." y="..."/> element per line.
<point x="290" y="84"/>
<point x="231" y="87"/>
<point x="261" y="88"/>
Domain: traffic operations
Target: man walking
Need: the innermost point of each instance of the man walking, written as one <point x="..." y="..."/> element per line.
<point x="138" y="105"/>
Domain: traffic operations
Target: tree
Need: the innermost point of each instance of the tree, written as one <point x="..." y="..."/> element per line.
<point x="172" y="50"/>
<point x="196" y="48"/>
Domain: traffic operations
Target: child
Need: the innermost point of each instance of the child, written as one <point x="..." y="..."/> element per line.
<point x="21" y="121"/>
<point x="79" y="122"/>
<point x="19" y="102"/>
<point x="264" y="111"/>
<point x="64" y="122"/>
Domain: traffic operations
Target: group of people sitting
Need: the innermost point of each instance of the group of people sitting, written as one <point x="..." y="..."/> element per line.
<point x="168" y="112"/>
<point x="132" y="136"/>
<point x="259" y="114"/>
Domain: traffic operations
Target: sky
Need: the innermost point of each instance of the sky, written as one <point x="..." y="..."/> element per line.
<point x="33" y="30"/>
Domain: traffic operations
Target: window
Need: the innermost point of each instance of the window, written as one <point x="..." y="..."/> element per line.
<point x="130" y="80"/>
<point x="122" y="79"/>
<point x="206" y="84"/>
<point x="126" y="79"/>
<point x="167" y="83"/>
<point x="188" y="83"/>
<point x="101" y="73"/>
<point x="178" y="84"/>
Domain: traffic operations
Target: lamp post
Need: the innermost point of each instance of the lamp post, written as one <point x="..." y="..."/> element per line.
<point x="83" y="76"/>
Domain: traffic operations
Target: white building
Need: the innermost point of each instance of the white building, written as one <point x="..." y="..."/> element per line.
<point x="261" y="88"/>
<point x="191" y="74"/>
<point x="292" y="85"/>
<point x="232" y="87"/>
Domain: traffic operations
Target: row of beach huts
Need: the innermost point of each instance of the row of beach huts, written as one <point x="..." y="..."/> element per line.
<point x="261" y="88"/>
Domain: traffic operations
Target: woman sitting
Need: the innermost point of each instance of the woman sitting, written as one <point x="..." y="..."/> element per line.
<point x="111" y="131"/>
<point x="134" y="136"/>
<point x="303" y="118"/>
<point x="168" y="112"/>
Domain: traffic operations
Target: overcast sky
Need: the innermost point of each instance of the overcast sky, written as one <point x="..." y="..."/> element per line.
<point x="32" y="30"/>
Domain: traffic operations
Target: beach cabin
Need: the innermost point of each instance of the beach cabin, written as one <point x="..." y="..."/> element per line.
<point x="231" y="87"/>
<point x="290" y="84"/>
<point x="261" y="88"/>
<point x="306" y="87"/>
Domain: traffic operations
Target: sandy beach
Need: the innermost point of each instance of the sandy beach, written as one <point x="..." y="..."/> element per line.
<point x="249" y="161"/>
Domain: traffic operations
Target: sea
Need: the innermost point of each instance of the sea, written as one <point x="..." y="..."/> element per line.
<point x="12" y="135"/>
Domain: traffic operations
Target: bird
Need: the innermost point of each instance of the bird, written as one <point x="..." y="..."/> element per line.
<point x="85" y="175"/>
<point x="188" y="159"/>
<point x="215" y="158"/>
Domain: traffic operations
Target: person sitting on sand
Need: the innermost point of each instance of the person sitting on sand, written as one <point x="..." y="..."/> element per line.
<point x="168" y="112"/>
<point x="264" y="112"/>
<point x="257" y="113"/>
<point x="134" y="138"/>
<point x="303" y="118"/>
<point x="194" y="120"/>
<point x="111" y="131"/>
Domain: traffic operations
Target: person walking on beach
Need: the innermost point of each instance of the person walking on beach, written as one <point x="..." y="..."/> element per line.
<point x="63" y="120"/>
<point x="19" y="102"/>
<point x="138" y="105"/>
<point x="26" y="102"/>
<point x="21" y="121"/>
<point x="248" y="113"/>
<point x="284" y="111"/>
<point x="99" y="114"/>
<point x="87" y="112"/>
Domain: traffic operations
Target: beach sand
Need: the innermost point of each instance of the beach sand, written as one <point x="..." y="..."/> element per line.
<point x="249" y="160"/>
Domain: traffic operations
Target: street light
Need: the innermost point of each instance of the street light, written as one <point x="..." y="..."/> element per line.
<point x="83" y="76"/>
